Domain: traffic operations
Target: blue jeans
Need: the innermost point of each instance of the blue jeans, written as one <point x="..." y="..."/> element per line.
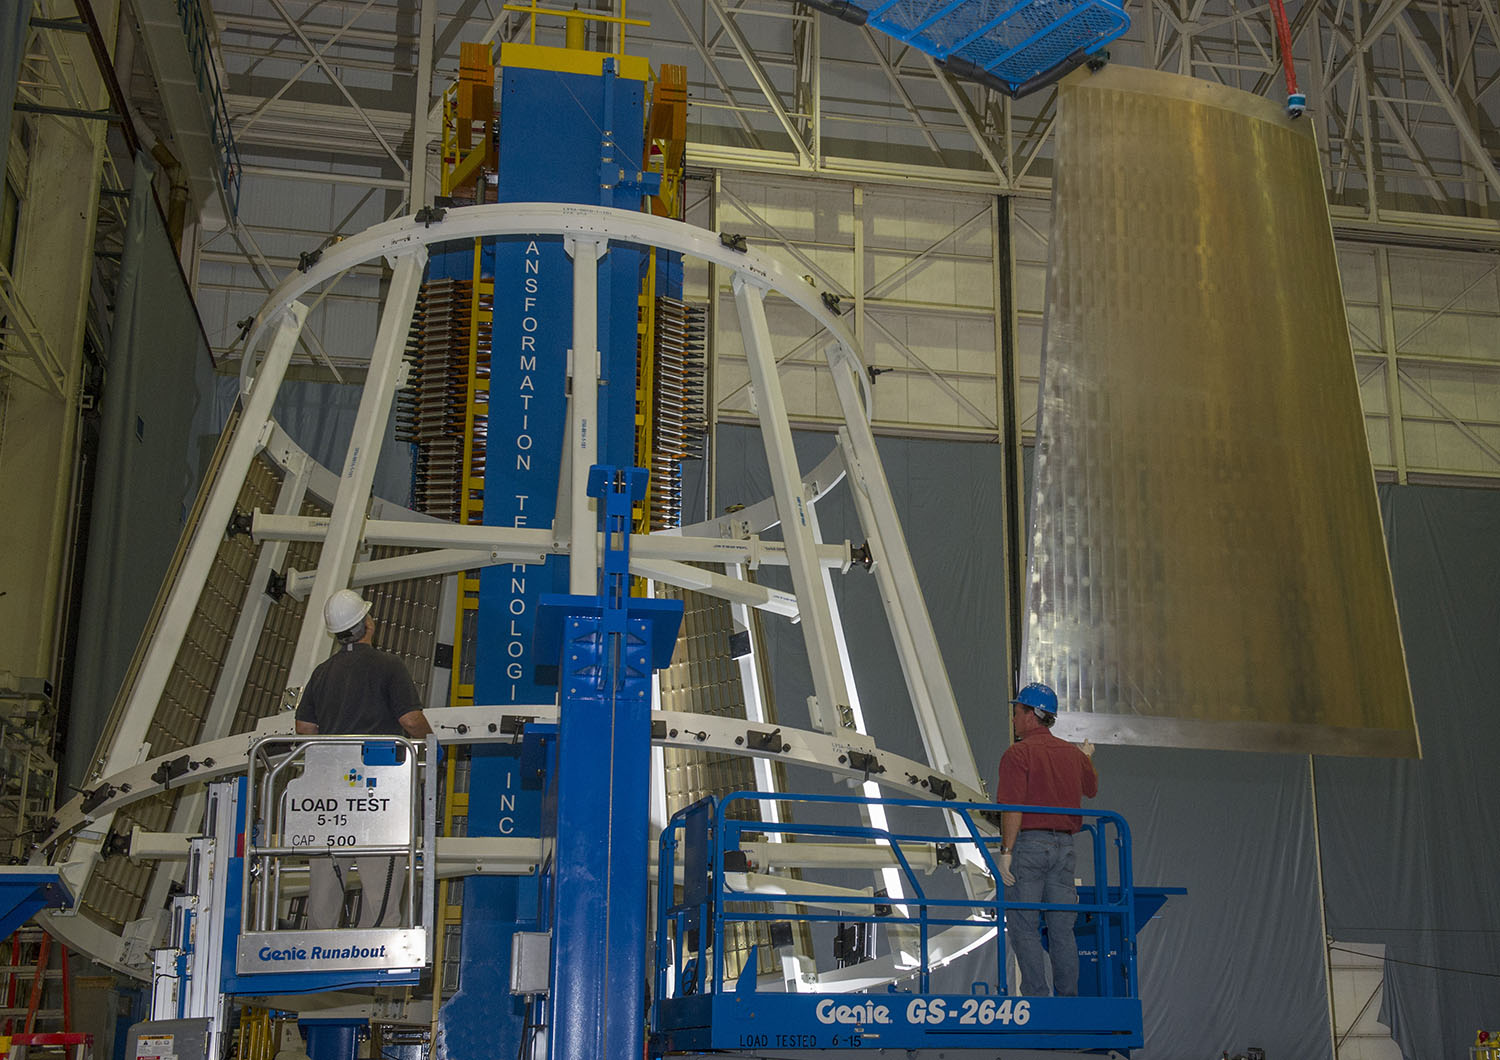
<point x="1042" y="863"/>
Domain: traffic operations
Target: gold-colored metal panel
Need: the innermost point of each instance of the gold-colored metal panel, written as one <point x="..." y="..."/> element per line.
<point x="1207" y="565"/>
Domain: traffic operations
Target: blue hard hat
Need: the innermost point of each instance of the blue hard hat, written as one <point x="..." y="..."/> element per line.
<point x="1039" y="697"/>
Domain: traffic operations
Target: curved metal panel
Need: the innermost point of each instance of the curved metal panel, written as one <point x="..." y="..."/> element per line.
<point x="1207" y="565"/>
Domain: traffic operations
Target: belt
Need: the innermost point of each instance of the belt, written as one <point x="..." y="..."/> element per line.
<point x="1053" y="831"/>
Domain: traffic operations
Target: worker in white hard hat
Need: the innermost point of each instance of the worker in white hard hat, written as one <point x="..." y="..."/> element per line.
<point x="358" y="690"/>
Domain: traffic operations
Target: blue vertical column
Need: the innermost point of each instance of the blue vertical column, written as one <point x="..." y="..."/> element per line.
<point x="564" y="137"/>
<point x="333" y="1039"/>
<point x="552" y="144"/>
<point x="607" y="649"/>
<point x="483" y="1017"/>
<point x="571" y="130"/>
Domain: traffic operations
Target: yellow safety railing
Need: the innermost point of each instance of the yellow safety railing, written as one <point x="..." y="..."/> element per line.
<point x="577" y="20"/>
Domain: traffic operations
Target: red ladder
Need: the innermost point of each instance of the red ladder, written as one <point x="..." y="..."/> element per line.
<point x="29" y="950"/>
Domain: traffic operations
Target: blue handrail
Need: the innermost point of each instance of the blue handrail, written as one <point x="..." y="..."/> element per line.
<point x="704" y="913"/>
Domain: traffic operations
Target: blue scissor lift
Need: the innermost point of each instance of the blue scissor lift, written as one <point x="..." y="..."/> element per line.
<point x="699" y="1006"/>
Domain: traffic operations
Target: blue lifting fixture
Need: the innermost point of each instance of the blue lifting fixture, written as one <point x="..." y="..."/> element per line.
<point x="607" y="647"/>
<point x="1016" y="46"/>
<point x="700" y="1005"/>
<point x="27" y="889"/>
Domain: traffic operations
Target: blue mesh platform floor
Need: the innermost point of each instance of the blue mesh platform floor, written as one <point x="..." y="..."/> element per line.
<point x="1016" y="46"/>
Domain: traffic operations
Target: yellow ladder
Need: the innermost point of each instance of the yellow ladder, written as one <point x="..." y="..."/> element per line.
<point x="461" y="693"/>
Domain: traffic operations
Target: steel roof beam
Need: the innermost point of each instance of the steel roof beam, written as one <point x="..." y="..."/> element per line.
<point x="762" y="81"/>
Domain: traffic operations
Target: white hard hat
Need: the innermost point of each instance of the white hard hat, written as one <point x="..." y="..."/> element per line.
<point x="344" y="610"/>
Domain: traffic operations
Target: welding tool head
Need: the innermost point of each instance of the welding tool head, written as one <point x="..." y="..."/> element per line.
<point x="1040" y="698"/>
<point x="344" y="611"/>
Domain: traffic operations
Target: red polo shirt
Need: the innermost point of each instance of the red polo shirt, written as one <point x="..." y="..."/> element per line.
<point x="1042" y="770"/>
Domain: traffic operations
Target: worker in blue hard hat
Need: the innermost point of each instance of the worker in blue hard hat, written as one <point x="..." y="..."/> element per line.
<point x="1036" y="859"/>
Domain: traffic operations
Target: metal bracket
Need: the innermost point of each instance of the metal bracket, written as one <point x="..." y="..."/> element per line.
<point x="170" y="770"/>
<point x="98" y="797"/>
<point x="240" y="523"/>
<point x="115" y="844"/>
<point x="868" y="763"/>
<point x="760" y="740"/>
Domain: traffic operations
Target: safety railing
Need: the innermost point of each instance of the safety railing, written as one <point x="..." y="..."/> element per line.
<point x="200" y="53"/>
<point x="700" y="839"/>
<point x="341" y="815"/>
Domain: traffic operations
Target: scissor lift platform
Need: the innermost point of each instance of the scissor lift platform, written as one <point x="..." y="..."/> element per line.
<point x="699" y="1008"/>
<point x="896" y="1021"/>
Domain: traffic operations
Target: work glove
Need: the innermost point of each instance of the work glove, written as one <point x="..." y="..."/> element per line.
<point x="1087" y="747"/>
<point x="1003" y="864"/>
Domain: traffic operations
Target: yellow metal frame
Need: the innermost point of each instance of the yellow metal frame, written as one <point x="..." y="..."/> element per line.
<point x="666" y="132"/>
<point x="458" y="168"/>
<point x="572" y="61"/>
<point x="645" y="384"/>
<point x="448" y="142"/>
<point x="470" y="510"/>
<point x="256" y="1034"/>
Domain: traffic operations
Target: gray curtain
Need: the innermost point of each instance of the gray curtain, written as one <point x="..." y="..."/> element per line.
<point x="1410" y="857"/>
<point x="317" y="416"/>
<point x="144" y="483"/>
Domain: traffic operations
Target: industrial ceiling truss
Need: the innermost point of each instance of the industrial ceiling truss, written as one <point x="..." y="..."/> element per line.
<point x="336" y="108"/>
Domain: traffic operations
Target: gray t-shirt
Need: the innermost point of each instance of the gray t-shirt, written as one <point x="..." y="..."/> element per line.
<point x="359" y="690"/>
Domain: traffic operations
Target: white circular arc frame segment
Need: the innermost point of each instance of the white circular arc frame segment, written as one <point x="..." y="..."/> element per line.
<point x="228" y="757"/>
<point x="592" y="223"/>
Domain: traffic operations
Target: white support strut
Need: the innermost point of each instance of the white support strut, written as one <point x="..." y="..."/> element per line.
<point x="786" y="480"/>
<point x="938" y="719"/>
<point x="531" y="544"/>
<point x="347" y="520"/>
<point x="453" y="560"/>
<point x="583" y="416"/>
<point x="237" y="663"/>
<point x="151" y="681"/>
